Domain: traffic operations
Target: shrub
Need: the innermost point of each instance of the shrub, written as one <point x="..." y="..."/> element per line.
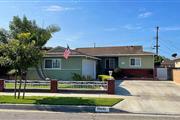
<point x="117" y="73"/>
<point x="78" y="77"/>
<point x="104" y="77"/>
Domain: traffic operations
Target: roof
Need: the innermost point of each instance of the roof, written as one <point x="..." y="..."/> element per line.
<point x="114" y="51"/>
<point x="178" y="58"/>
<point x="59" y="52"/>
<point x="167" y="62"/>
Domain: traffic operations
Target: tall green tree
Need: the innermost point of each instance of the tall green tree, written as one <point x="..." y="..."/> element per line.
<point x="38" y="34"/>
<point x="158" y="60"/>
<point x="23" y="49"/>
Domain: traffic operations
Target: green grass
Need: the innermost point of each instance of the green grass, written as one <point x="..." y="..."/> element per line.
<point x="42" y="100"/>
<point x="11" y="86"/>
<point x="65" y="86"/>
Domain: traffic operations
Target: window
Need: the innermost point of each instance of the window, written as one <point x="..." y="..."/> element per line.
<point x="136" y="62"/>
<point x="109" y="63"/>
<point x="52" y="63"/>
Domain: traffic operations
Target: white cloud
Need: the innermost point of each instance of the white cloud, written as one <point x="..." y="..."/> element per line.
<point x="110" y="29"/>
<point x="145" y="14"/>
<point x="170" y="28"/>
<point x="132" y="27"/>
<point x="57" y="8"/>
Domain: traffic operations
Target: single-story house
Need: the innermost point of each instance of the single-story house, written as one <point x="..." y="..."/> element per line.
<point x="177" y="62"/>
<point x="55" y="66"/>
<point x="132" y="60"/>
<point x="167" y="63"/>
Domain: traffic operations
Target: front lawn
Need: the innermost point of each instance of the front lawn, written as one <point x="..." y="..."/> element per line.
<point x="42" y="100"/>
<point x="47" y="86"/>
<point x="36" y="86"/>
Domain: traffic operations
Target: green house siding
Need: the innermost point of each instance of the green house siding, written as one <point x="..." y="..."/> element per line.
<point x="147" y="62"/>
<point x="68" y="67"/>
<point x="61" y="74"/>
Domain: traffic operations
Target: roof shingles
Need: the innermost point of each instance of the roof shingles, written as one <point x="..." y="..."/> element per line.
<point x="119" y="50"/>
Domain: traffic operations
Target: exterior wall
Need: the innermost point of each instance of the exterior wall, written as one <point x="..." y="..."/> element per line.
<point x="68" y="67"/>
<point x="177" y="64"/>
<point x="147" y="62"/>
<point x="176" y="75"/>
<point x="137" y="73"/>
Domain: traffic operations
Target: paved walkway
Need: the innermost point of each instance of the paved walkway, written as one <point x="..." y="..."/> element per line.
<point x="159" y="97"/>
<point x="67" y="95"/>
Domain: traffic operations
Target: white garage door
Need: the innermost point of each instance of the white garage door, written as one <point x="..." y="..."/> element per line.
<point x="89" y="68"/>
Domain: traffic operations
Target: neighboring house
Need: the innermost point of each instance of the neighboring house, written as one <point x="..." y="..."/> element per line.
<point x="132" y="60"/>
<point x="54" y="66"/>
<point x="167" y="63"/>
<point x="177" y="62"/>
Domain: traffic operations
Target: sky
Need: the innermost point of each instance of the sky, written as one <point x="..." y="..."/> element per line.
<point x="103" y="22"/>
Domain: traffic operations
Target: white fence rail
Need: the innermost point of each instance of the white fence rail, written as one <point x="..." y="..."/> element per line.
<point x="30" y="84"/>
<point x="77" y="85"/>
<point x="95" y="85"/>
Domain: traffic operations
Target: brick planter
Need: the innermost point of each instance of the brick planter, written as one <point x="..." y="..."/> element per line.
<point x="54" y="86"/>
<point x="1" y="85"/>
<point x="111" y="87"/>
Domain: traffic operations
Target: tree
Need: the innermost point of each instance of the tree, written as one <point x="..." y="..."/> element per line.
<point x="4" y="36"/>
<point x="158" y="60"/>
<point x="24" y="50"/>
<point x="38" y="34"/>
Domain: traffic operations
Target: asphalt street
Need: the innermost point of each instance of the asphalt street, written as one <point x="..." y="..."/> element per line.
<point x="39" y="115"/>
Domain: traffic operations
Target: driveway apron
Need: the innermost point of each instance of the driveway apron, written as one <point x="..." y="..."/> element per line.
<point x="154" y="97"/>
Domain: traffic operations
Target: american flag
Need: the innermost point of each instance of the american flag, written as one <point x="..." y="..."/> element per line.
<point x="67" y="52"/>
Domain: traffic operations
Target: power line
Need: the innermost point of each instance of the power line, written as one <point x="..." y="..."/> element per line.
<point x="167" y="47"/>
<point x="173" y="45"/>
<point x="165" y="52"/>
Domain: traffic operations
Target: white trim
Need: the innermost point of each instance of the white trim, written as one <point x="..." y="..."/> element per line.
<point x="135" y="62"/>
<point x="52" y="67"/>
<point x="124" y="55"/>
<point x="95" y="69"/>
<point x="57" y="55"/>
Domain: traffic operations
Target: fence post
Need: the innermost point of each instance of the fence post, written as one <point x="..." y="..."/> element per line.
<point x="54" y="86"/>
<point x="111" y="87"/>
<point x="1" y="85"/>
<point x="155" y="73"/>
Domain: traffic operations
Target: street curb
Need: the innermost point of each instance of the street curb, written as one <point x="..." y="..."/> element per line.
<point x="69" y="108"/>
<point x="56" y="108"/>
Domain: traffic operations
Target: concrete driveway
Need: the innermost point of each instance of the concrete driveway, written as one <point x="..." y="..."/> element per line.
<point x="156" y="97"/>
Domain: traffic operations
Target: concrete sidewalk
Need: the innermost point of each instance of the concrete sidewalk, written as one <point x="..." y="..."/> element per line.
<point x="67" y="95"/>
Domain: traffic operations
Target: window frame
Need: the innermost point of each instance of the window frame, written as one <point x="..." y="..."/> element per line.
<point x="53" y="59"/>
<point x="135" y="62"/>
<point x="114" y="63"/>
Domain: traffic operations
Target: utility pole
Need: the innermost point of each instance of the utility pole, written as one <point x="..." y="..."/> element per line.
<point x="157" y="40"/>
<point x="94" y="45"/>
